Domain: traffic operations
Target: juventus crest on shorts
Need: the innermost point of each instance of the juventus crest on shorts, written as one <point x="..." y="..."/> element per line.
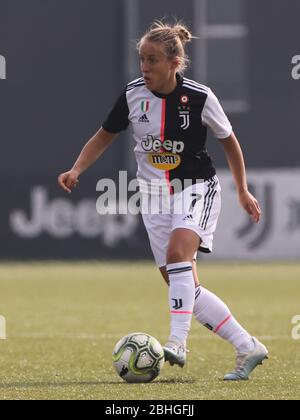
<point x="170" y="130"/>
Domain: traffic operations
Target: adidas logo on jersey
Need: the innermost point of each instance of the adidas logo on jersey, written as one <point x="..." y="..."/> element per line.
<point x="189" y="218"/>
<point x="144" y="119"/>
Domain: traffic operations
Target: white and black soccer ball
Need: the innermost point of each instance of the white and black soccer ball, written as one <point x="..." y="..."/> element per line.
<point x="138" y="357"/>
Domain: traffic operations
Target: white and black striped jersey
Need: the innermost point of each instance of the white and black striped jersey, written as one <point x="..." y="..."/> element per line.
<point x="170" y="131"/>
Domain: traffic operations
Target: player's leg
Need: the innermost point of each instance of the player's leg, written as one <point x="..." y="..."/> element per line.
<point x="212" y="313"/>
<point x="183" y="246"/>
<point x="163" y="271"/>
<point x="159" y="229"/>
<point x="209" y="310"/>
<point x="180" y="255"/>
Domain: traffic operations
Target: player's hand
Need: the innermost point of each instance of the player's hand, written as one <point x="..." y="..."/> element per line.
<point x="251" y="205"/>
<point x="68" y="180"/>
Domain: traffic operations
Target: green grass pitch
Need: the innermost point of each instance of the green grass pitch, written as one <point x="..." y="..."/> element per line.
<point x="63" y="321"/>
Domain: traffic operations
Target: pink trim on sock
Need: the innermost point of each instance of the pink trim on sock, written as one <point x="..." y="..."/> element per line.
<point x="181" y="312"/>
<point x="222" y="323"/>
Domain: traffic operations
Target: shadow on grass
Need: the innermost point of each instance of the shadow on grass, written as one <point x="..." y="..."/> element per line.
<point x="25" y="385"/>
<point x="174" y="381"/>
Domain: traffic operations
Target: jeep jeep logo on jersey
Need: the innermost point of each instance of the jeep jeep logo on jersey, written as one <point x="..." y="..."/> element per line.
<point x="150" y="144"/>
<point x="165" y="156"/>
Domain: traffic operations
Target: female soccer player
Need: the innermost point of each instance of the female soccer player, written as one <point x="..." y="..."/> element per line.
<point x="170" y="115"/>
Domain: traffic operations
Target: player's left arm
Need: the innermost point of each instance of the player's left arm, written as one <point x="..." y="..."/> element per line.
<point x="236" y="163"/>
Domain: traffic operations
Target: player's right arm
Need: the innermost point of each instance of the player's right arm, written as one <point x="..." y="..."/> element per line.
<point x="96" y="146"/>
<point x="93" y="149"/>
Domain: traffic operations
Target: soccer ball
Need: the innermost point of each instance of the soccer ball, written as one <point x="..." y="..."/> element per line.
<point x="138" y="357"/>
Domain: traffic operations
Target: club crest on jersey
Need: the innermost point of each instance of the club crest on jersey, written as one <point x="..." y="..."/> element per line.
<point x="145" y="106"/>
<point x="184" y="114"/>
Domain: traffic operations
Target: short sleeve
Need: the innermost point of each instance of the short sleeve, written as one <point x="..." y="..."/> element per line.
<point x="213" y="116"/>
<point x="118" y="118"/>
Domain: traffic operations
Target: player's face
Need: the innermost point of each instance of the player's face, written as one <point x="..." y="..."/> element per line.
<point x="158" y="70"/>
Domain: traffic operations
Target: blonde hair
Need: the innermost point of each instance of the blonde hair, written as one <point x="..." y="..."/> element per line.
<point x="174" y="38"/>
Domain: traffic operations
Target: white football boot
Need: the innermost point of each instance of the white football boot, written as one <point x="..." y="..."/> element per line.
<point x="175" y="353"/>
<point x="246" y="363"/>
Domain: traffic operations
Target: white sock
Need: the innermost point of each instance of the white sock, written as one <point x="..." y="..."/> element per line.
<point x="181" y="299"/>
<point x="211" y="312"/>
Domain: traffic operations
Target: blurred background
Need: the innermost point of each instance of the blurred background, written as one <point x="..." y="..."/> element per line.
<point x="62" y="66"/>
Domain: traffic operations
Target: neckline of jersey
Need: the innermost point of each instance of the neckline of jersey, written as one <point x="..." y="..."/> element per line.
<point x="179" y="79"/>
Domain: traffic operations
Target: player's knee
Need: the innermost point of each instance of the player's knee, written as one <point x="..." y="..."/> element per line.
<point x="177" y="255"/>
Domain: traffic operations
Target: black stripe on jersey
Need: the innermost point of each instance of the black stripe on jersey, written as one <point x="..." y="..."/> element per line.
<point x="196" y="84"/>
<point x="195" y="88"/>
<point x="211" y="204"/>
<point x="205" y="199"/>
<point x="135" y="86"/>
<point x="206" y="210"/>
<point x="140" y="79"/>
<point x="210" y="191"/>
<point x="179" y="270"/>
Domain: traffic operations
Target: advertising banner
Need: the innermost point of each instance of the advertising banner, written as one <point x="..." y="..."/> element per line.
<point x="38" y="221"/>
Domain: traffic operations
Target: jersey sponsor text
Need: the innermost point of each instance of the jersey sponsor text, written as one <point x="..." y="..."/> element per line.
<point x="151" y="144"/>
<point x="164" y="161"/>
